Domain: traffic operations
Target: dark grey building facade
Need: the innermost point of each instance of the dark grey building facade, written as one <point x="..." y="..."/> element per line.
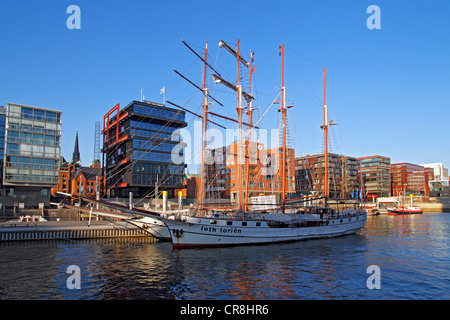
<point x="138" y="142"/>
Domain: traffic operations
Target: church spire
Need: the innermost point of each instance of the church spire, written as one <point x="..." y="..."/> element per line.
<point x="76" y="152"/>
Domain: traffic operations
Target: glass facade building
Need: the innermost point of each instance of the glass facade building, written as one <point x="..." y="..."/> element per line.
<point x="138" y="143"/>
<point x="32" y="150"/>
<point x="375" y="171"/>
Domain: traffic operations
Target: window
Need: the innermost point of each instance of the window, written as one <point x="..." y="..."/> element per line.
<point x="26" y="112"/>
<point x="244" y="223"/>
<point x="39" y="114"/>
<point x="10" y="191"/>
<point x="229" y="223"/>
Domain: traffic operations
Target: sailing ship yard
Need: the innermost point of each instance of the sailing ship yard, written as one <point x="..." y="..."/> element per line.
<point x="241" y="151"/>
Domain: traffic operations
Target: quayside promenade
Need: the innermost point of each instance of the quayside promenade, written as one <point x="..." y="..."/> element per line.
<point x="71" y="226"/>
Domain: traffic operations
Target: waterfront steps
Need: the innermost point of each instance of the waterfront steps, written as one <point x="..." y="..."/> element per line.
<point x="68" y="230"/>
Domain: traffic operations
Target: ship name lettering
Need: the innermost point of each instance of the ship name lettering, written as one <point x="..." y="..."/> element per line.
<point x="230" y="230"/>
<point x="208" y="229"/>
<point x="221" y="230"/>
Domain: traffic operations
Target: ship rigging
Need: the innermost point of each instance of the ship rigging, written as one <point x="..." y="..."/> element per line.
<point x="200" y="227"/>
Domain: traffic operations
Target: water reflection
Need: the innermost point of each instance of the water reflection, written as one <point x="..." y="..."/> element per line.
<point x="301" y="270"/>
<point x="412" y="252"/>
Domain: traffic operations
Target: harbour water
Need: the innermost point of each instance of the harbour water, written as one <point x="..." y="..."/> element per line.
<point x="411" y="252"/>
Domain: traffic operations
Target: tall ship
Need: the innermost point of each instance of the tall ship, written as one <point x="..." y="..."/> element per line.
<point x="281" y="224"/>
<point x="206" y="226"/>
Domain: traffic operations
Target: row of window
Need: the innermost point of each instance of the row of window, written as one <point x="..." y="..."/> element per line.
<point x="140" y="167"/>
<point x="155" y="135"/>
<point x="31" y="172"/>
<point x="32" y="138"/>
<point x="33" y="113"/>
<point x="151" y="179"/>
<point x="152" y="126"/>
<point x="31" y="163"/>
<point x="39" y="127"/>
<point x="157" y="157"/>
<point x="31" y="178"/>
<point x="237" y="223"/>
<point x="32" y="150"/>
<point x="154" y="145"/>
<point x="161" y="113"/>
<point x="380" y="165"/>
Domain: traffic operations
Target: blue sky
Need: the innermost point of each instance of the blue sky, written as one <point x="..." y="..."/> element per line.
<point x="387" y="89"/>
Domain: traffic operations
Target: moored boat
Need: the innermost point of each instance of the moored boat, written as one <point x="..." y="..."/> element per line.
<point x="261" y="228"/>
<point x="34" y="218"/>
<point x="372" y="212"/>
<point x="404" y="210"/>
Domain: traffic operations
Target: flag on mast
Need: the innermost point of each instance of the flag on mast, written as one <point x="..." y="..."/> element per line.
<point x="163" y="92"/>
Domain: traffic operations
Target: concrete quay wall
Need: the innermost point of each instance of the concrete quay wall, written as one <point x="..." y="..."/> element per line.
<point x="68" y="230"/>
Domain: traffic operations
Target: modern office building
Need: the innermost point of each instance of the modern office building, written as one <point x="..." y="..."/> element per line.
<point x="32" y="155"/>
<point x="439" y="186"/>
<point x="137" y="149"/>
<point x="343" y="178"/>
<point x="408" y="178"/>
<point x="375" y="172"/>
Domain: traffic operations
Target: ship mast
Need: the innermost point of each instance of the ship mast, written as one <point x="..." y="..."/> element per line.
<point x="239" y="145"/>
<point x="240" y="109"/>
<point x="283" y="111"/>
<point x="247" y="153"/>
<point x="204" y="119"/>
<point x="204" y="116"/>
<point x="325" y="129"/>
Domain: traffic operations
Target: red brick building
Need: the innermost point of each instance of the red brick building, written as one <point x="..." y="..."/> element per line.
<point x="66" y="172"/>
<point x="86" y="180"/>
<point x="408" y="178"/>
<point x="264" y="175"/>
<point x="73" y="176"/>
<point x="343" y="175"/>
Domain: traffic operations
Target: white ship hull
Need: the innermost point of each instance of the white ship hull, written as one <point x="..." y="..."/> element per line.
<point x="154" y="226"/>
<point x="190" y="232"/>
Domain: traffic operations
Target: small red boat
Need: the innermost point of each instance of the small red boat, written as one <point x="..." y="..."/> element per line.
<point x="404" y="210"/>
